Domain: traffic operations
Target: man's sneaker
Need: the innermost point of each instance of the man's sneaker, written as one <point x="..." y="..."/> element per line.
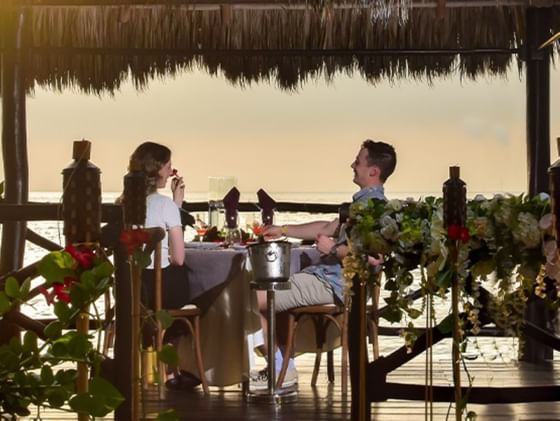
<point x="259" y="379"/>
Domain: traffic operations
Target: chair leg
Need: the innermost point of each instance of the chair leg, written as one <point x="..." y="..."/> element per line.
<point x="198" y="353"/>
<point x="320" y="337"/>
<point x="288" y="351"/>
<point x="330" y="366"/>
<point x="318" y="354"/>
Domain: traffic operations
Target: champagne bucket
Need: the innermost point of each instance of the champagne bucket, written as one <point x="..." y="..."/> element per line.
<point x="270" y="261"/>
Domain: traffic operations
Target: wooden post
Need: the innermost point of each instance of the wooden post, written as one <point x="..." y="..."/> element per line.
<point x="14" y="148"/>
<point x="538" y="146"/>
<point x="455" y="214"/>
<point x="134" y="217"/>
<point x="357" y="353"/>
<point x="81" y="210"/>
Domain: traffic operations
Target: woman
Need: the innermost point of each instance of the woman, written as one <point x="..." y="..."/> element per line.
<point x="161" y="211"/>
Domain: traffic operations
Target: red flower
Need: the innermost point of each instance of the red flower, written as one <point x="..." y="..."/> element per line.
<point x="60" y="291"/>
<point x="84" y="257"/>
<point x="458" y="233"/>
<point x="133" y="239"/>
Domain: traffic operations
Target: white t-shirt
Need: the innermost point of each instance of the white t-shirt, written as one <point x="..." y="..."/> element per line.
<point x="162" y="212"/>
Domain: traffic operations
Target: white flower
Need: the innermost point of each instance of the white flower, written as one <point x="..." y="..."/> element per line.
<point x="395" y="205"/>
<point x="527" y="230"/>
<point x="389" y="228"/>
<point x="503" y="214"/>
<point x="552" y="267"/>
<point x="545" y="223"/>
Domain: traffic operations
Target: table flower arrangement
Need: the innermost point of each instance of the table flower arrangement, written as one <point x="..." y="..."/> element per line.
<point x="506" y="245"/>
<point x="30" y="370"/>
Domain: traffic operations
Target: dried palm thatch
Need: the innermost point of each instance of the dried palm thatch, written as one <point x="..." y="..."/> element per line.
<point x="95" y="48"/>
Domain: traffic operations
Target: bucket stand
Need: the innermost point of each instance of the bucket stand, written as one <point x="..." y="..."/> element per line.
<point x="272" y="395"/>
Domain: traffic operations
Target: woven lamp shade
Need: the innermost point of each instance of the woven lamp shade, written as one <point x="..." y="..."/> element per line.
<point x="81" y="198"/>
<point x="454" y="199"/>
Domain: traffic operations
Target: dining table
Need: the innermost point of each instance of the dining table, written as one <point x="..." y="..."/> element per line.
<point x="220" y="283"/>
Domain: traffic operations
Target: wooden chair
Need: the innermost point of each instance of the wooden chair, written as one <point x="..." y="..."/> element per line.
<point x="322" y="316"/>
<point x="188" y="316"/>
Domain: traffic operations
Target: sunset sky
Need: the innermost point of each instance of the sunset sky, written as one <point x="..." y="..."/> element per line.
<point x="300" y="141"/>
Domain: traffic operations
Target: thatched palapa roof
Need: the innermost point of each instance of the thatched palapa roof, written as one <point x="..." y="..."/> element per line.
<point x="96" y="44"/>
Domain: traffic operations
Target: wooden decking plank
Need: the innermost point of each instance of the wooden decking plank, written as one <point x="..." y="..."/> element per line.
<point x="326" y="403"/>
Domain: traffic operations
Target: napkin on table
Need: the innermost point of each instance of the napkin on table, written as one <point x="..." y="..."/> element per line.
<point x="231" y="203"/>
<point x="267" y="205"/>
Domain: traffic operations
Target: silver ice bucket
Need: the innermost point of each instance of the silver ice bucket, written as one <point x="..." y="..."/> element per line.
<point x="270" y="261"/>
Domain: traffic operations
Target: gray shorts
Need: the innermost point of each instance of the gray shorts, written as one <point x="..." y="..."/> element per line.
<point x="306" y="290"/>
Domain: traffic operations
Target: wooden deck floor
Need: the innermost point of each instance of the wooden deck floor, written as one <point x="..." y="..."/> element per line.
<point x="325" y="402"/>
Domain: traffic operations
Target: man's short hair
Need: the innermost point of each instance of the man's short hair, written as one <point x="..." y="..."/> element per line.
<point x="382" y="155"/>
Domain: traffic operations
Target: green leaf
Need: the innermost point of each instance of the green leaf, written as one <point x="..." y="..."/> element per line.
<point x="101" y="398"/>
<point x="142" y="258"/>
<point x="5" y="303"/>
<point x="168" y="415"/>
<point x="444" y="278"/>
<point x="12" y="287"/>
<point x="56" y="397"/>
<point x="29" y="342"/>
<point x="56" y="266"/>
<point x="53" y="330"/>
<point x="168" y="355"/>
<point x="446" y="325"/>
<point x="24" y="288"/>
<point x="67" y="376"/>
<point x="164" y="318"/>
<point x="100" y="387"/>
<point x="62" y="311"/>
<point x="79" y="345"/>
<point x="47" y="375"/>
<point x="414" y="313"/>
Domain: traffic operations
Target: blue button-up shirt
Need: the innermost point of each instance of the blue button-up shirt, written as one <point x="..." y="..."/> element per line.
<point x="331" y="271"/>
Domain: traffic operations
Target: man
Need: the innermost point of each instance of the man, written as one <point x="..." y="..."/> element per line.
<point x="322" y="283"/>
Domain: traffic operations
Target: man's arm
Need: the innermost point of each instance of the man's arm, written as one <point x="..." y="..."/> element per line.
<point x="307" y="231"/>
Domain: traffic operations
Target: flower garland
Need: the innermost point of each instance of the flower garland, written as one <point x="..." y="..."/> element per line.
<point x="506" y="246"/>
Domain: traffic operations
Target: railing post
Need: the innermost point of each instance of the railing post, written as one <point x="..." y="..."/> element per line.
<point x="14" y="145"/>
<point x="81" y="210"/>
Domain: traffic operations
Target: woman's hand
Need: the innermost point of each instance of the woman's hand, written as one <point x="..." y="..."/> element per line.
<point x="178" y="190"/>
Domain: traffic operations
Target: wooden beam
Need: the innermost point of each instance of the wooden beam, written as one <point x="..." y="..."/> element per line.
<point x="180" y="51"/>
<point x="277" y="4"/>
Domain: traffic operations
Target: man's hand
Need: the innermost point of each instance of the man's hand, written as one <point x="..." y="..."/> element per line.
<point x="376" y="261"/>
<point x="324" y="243"/>
<point x="271" y="232"/>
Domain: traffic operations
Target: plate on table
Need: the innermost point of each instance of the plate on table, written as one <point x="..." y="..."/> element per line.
<point x="204" y="245"/>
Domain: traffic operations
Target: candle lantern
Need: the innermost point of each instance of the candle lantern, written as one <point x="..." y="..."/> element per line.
<point x="454" y="199"/>
<point x="81" y="197"/>
<point x="554" y="186"/>
<point x="135" y="188"/>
